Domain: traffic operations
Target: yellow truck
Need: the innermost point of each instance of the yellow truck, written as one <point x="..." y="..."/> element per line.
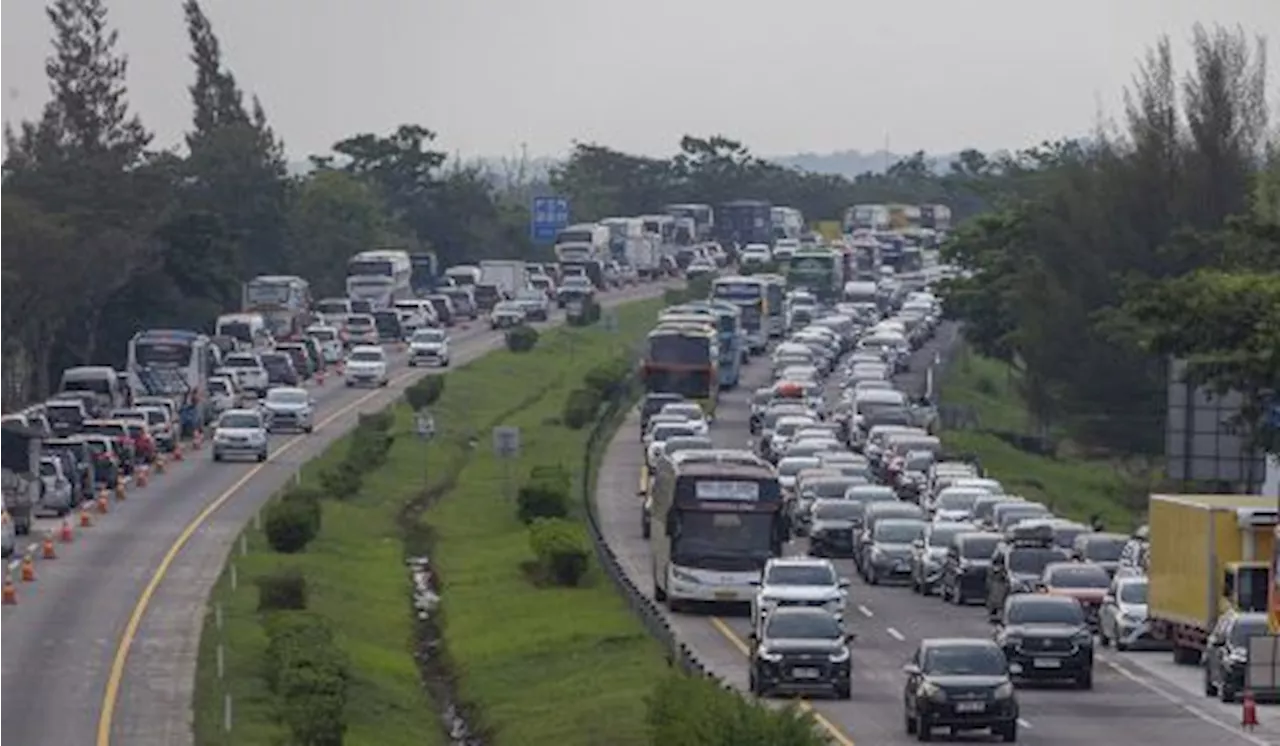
<point x="1208" y="554"/>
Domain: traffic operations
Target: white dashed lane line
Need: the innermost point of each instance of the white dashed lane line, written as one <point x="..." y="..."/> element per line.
<point x="865" y="611"/>
<point x="895" y="634"/>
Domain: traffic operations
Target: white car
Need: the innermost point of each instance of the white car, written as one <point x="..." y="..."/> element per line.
<point x="366" y="365"/>
<point x="328" y="339"/>
<point x="755" y="254"/>
<point x="224" y="392"/>
<point x="429" y="347"/>
<point x="799" y="581"/>
<point x="163" y="428"/>
<point x="691" y="412"/>
<point x="56" y="493"/>
<point x="240" y="432"/>
<point x="659" y="435"/>
<point x="289" y="408"/>
<point x="250" y="373"/>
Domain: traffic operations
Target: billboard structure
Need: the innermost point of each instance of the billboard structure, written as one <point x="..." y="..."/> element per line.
<point x="1204" y="442"/>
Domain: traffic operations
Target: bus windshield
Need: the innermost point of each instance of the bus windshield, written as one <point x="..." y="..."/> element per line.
<point x="723" y="541"/>
<point x="675" y="349"/>
<point x="268" y="293"/>
<point x="162" y="353"/>
<point x="369" y="267"/>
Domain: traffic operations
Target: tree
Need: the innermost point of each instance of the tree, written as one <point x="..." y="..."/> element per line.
<point x="332" y="216"/>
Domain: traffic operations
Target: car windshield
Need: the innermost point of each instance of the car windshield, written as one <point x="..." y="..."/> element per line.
<point x="1043" y="611"/>
<point x="1246" y="627"/>
<point x="1133" y="593"/>
<point x="662" y="433"/>
<point x="240" y="421"/>
<point x="956" y="500"/>
<point x="800" y="575"/>
<point x="918" y="461"/>
<point x="941" y="536"/>
<point x="980" y="548"/>
<point x="837" y="510"/>
<point x="428" y="335"/>
<point x="1078" y="576"/>
<point x="789" y="467"/>
<point x="805" y="626"/>
<point x="62" y="412"/>
<point x="359" y="321"/>
<point x="287" y="396"/>
<point x="366" y="356"/>
<point x="898" y="532"/>
<point x="323" y="335"/>
<point x="964" y="660"/>
<point x="676" y="445"/>
<point x="1032" y="560"/>
<point x="218" y="387"/>
<point x="241" y="361"/>
<point x="155" y="417"/>
<point x="1104" y="550"/>
<point x="47" y="469"/>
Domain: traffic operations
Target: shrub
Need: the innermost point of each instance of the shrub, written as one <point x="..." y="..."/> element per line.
<point x="424" y="392"/>
<point x="380" y="421"/>
<point x="368" y="450"/>
<point x="307" y="496"/>
<point x="284" y="589"/>
<point x="542" y="497"/>
<point x="342" y="480"/>
<point x="608" y="379"/>
<point x="293" y="637"/>
<point x="561" y="548"/>
<point x="698" y="711"/>
<point x="310" y="674"/>
<point x="580" y="408"/>
<point x="522" y="338"/>
<point x="290" y="526"/>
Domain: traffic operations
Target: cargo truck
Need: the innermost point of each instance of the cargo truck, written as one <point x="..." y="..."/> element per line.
<point x="1208" y="554"/>
<point x="508" y="276"/>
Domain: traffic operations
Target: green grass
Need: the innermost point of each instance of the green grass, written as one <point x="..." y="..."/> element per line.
<point x="562" y="666"/>
<point x="1073" y="486"/>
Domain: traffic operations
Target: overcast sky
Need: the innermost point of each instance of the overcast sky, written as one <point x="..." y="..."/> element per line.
<point x="797" y="75"/>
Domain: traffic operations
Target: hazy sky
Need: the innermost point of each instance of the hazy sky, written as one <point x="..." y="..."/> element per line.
<point x="798" y="75"/>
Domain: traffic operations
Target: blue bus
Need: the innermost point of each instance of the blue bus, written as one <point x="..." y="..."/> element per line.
<point x="751" y="296"/>
<point x="177" y="363"/>
<point x="732" y="340"/>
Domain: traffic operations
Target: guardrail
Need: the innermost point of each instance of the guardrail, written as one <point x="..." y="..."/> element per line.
<point x="650" y="613"/>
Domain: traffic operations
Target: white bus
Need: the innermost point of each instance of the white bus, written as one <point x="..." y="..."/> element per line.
<point x="381" y="277"/>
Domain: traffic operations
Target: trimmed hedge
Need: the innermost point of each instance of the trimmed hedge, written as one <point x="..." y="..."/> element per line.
<point x="309" y="674"/>
<point x="545" y="495"/>
<point x="561" y="549"/>
<point x="695" y="711"/>
<point x="290" y="526"/>
<point x="284" y="589"/>
<point x="522" y="338"/>
<point x="609" y="379"/>
<point x="424" y="392"/>
<point x="580" y="408"/>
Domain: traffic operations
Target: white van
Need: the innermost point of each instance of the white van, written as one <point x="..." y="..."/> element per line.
<point x="415" y="314"/>
<point x="249" y="330"/>
<point x="99" y="379"/>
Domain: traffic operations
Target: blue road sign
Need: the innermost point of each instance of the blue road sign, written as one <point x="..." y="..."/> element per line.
<point x="550" y="214"/>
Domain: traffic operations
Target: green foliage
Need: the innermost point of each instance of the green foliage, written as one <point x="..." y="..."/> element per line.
<point x="282" y="590"/>
<point x="306" y="497"/>
<point x="522" y="338"/>
<point x="580" y="408"/>
<point x="610" y="379"/>
<point x="342" y="480"/>
<point x="545" y="495"/>
<point x="561" y="549"/>
<point x="693" y="711"/>
<point x="290" y="526"/>
<point x="310" y="676"/>
<point x="424" y="392"/>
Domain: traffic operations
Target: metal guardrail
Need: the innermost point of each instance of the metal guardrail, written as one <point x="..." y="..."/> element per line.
<point x="650" y="613"/>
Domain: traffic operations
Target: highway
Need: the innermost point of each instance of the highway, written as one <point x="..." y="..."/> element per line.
<point x="1137" y="697"/>
<point x="102" y="647"/>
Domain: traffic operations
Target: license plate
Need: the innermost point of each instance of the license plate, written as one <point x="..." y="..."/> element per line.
<point x="805" y="673"/>
<point x="1047" y="663"/>
<point x="970" y="706"/>
<point x="903" y="567"/>
<point x="725" y="595"/>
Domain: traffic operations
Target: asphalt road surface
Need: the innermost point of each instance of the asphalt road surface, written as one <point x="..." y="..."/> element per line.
<point x="102" y="647"/>
<point x="1137" y="697"/>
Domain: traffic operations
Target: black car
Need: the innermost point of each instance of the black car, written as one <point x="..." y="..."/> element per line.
<point x="1019" y="562"/>
<point x="831" y="527"/>
<point x="300" y="357"/>
<point x="801" y="650"/>
<point x="388" y="325"/>
<point x="653" y="404"/>
<point x="964" y="568"/>
<point x="1227" y="653"/>
<point x="280" y="370"/>
<point x="1046" y="638"/>
<point x="962" y="685"/>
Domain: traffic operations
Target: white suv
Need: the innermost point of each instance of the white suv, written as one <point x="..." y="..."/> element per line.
<point x="240" y="432"/>
<point x="429" y="347"/>
<point x="250" y="372"/>
<point x="366" y="365"/>
<point x="799" y="581"/>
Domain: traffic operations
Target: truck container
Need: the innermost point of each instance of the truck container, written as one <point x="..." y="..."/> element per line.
<point x="644" y="254"/>
<point x="507" y="275"/>
<point x="1208" y="554"/>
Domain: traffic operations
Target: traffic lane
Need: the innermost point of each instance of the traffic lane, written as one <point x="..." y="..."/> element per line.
<point x="158" y="676"/>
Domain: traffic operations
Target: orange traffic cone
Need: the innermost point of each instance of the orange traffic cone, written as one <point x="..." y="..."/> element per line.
<point x="102" y="502"/>
<point x="64" y="533"/>
<point x="10" y="594"/>
<point x="121" y="490"/>
<point x="160" y="463"/>
<point x="28" y="569"/>
<point x="86" y="520"/>
<point x="47" y="549"/>
<point x="197" y="439"/>
<point x="142" y="476"/>
<point x="320" y="377"/>
<point x="1248" y="711"/>
<point x="177" y="449"/>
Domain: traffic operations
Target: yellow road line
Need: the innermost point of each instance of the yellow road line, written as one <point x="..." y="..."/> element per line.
<point x="831" y="728"/>
<point x="114" y="678"/>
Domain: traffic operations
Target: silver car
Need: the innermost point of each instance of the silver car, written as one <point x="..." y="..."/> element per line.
<point x="240" y="432"/>
<point x="289" y="408"/>
<point x="1122" y="620"/>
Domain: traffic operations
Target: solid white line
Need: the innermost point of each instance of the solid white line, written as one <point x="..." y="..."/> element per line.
<point x="1196" y="712"/>
<point x="895" y="634"/>
<point x="1023" y="723"/>
<point x="865" y="611"/>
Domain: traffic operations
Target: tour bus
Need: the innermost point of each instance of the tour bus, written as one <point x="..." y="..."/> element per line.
<point x="716" y="517"/>
<point x="751" y="295"/>
<point x="176" y="363"/>
<point x="284" y="301"/>
<point x="381" y="277"/>
<point x="775" y="289"/>
<point x="820" y="271"/>
<point x="703" y="217"/>
<point x="727" y="318"/>
<point x="682" y="358"/>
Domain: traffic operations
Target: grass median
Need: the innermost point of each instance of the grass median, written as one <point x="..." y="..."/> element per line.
<point x="983" y="394"/>
<point x="539" y="665"/>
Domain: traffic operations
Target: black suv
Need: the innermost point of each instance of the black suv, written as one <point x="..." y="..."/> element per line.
<point x="1019" y="562"/>
<point x="964" y="568"/>
<point x="800" y="650"/>
<point x="1046" y="638"/>
<point x="962" y="685"/>
<point x="1227" y="653"/>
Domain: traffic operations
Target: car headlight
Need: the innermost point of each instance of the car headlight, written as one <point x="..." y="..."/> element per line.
<point x="834" y="605"/>
<point x="683" y="576"/>
<point x="769" y="656"/>
<point x="840" y="656"/>
<point x="933" y="691"/>
<point x="1083" y="637"/>
<point x="877" y="553"/>
<point x="1004" y="691"/>
<point x="1134" y="617"/>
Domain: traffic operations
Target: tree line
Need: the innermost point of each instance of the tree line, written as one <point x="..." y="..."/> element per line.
<point x="1157" y="237"/>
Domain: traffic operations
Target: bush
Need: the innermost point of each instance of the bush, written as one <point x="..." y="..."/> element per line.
<point x="368" y="450"/>
<point x="342" y="480"/>
<point x="424" y="392"/>
<point x="580" y="408"/>
<point x="608" y="379"/>
<point x="290" y="526"/>
<point x="561" y="548"/>
<point x="544" y="496"/>
<point x="522" y="338"/>
<point x="306" y="496"/>
<point x="310" y="674"/>
<point x="282" y="590"/>
<point x="380" y="421"/>
<point x="697" y="711"/>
